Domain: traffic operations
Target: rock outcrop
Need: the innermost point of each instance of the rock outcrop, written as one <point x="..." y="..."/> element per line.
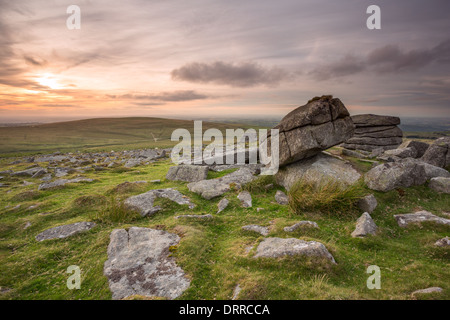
<point x="438" y="154"/>
<point x="374" y="132"/>
<point x="404" y="220"/>
<point x="320" y="124"/>
<point x="187" y="173"/>
<point x="65" y="231"/>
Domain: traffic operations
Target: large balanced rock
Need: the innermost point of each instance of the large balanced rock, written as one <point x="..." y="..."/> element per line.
<point x="320" y="124"/>
<point x="139" y="263"/>
<point x="315" y="169"/>
<point x="188" y="173"/>
<point x="65" y="231"/>
<point x="404" y="173"/>
<point x="143" y="203"/>
<point x="211" y="188"/>
<point x="374" y="132"/>
<point x="438" y="154"/>
<point x="278" y="247"/>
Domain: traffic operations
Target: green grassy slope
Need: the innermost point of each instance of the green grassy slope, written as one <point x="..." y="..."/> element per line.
<point x="213" y="253"/>
<point x="96" y="134"/>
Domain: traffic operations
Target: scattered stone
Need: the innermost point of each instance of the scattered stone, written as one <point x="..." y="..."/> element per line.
<point x="300" y="224"/>
<point x="212" y="188"/>
<point x="264" y="231"/>
<point x="188" y="173"/>
<point x="27" y="225"/>
<point x="195" y="216"/>
<point x="26" y="173"/>
<point x="281" y="198"/>
<point x="61" y="172"/>
<point x="139" y="263"/>
<point x="353" y="153"/>
<point x="143" y="203"/>
<point x="236" y="292"/>
<point x="155" y="181"/>
<point x="444" y="242"/>
<point x="278" y="247"/>
<point x="61" y="182"/>
<point x="364" y="226"/>
<point x="315" y="169"/>
<point x="222" y="205"/>
<point x="427" y="291"/>
<point x="438" y="154"/>
<point x="440" y="184"/>
<point x="368" y="203"/>
<point x="27" y="183"/>
<point x="320" y="124"/>
<point x="65" y="231"/>
<point x="131" y="163"/>
<point x="259" y="209"/>
<point x="246" y="199"/>
<point x="39" y="173"/>
<point x="269" y="186"/>
<point x="47" y="177"/>
<point x="51" y="158"/>
<point x="404" y="220"/>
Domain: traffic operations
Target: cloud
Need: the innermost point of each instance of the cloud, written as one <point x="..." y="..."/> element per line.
<point x="174" y="96"/>
<point x="384" y="60"/>
<point x="247" y="74"/>
<point x="35" y="61"/>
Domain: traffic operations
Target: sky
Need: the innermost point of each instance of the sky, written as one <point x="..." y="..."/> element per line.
<point x="225" y="59"/>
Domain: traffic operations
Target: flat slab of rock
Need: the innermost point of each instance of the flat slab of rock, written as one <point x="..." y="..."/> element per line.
<point x="65" y="231"/>
<point x="278" y="247"/>
<point x="368" y="203"/>
<point x="320" y="124"/>
<point x="246" y="199"/>
<point x="139" y="264"/>
<point x="404" y="220"/>
<point x="440" y="184"/>
<point x="427" y="291"/>
<point x="364" y="226"/>
<point x="315" y="169"/>
<point x="212" y="188"/>
<point x="143" y="203"/>
<point x="301" y="224"/>
<point x="188" y="173"/>
<point x="264" y="231"/>
<point x="195" y="216"/>
<point x="281" y="198"/>
<point x="61" y="182"/>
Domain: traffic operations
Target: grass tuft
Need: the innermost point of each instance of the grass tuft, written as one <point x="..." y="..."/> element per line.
<point x="115" y="212"/>
<point x="329" y="197"/>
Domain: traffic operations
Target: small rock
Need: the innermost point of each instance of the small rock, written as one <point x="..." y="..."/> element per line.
<point x="236" y="292"/>
<point x="27" y="225"/>
<point x="444" y="242"/>
<point x="364" y="226"/>
<point x="368" y="203"/>
<point x="195" y="216"/>
<point x="264" y="231"/>
<point x="427" y="291"/>
<point x="278" y="247"/>
<point x="440" y="184"/>
<point x="65" y="231"/>
<point x="421" y="216"/>
<point x="222" y="205"/>
<point x="259" y="209"/>
<point x="188" y="173"/>
<point x="281" y="198"/>
<point x="246" y="199"/>
<point x="301" y="224"/>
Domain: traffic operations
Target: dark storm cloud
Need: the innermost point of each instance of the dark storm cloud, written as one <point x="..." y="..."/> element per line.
<point x="386" y="59"/>
<point x="174" y="96"/>
<point x="247" y="74"/>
